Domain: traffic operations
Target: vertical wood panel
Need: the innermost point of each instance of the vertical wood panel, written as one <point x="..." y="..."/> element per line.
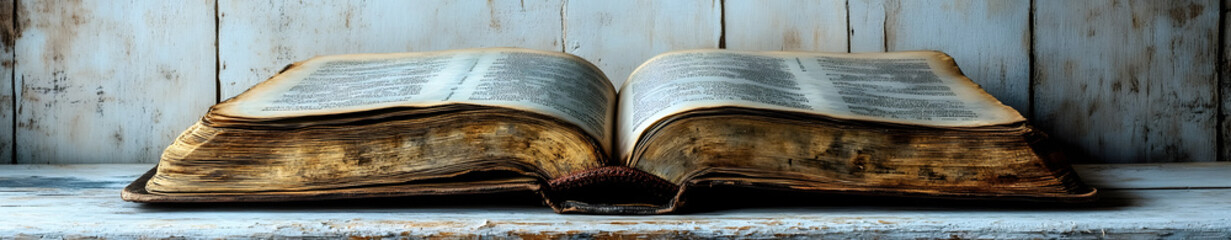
<point x="1128" y="81"/>
<point x="1121" y="81"/>
<point x="619" y="35"/>
<point x="258" y="38"/>
<point x="110" y="81"/>
<point x="8" y="37"/>
<point x="990" y="40"/>
<point x="1224" y="78"/>
<point x="867" y="25"/>
<point x="786" y="25"/>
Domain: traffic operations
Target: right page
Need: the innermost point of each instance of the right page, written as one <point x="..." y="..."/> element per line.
<point x="922" y="88"/>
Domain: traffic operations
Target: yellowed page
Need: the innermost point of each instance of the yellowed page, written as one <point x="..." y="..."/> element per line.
<point x="917" y="88"/>
<point x="550" y="83"/>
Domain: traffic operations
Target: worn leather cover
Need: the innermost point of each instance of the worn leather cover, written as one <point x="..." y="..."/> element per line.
<point x="611" y="190"/>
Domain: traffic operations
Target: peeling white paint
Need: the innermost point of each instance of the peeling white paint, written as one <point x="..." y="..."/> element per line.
<point x="1121" y="81"/>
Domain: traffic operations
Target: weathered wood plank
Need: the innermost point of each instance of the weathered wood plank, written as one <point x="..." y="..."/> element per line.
<point x="8" y="37"/>
<point x="1224" y="83"/>
<point x="81" y="201"/>
<point x="1156" y="175"/>
<point x="867" y="25"/>
<point x="990" y="40"/>
<point x="800" y="25"/>
<point x="258" y="38"/>
<point x="110" y="81"/>
<point x="1128" y="81"/>
<point x="1171" y="116"/>
<point x="619" y="35"/>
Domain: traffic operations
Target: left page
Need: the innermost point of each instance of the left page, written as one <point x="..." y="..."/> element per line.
<point x="550" y="83"/>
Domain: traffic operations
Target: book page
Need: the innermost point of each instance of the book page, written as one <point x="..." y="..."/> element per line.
<point x="916" y="88"/>
<point x="568" y="87"/>
<point x="549" y="83"/>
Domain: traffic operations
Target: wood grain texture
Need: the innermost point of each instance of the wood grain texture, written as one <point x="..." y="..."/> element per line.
<point x="257" y="38"/>
<point x="110" y="81"/>
<point x="81" y="201"/>
<point x="1224" y="83"/>
<point x="1121" y="81"/>
<point x="867" y="25"/>
<point x="989" y="39"/>
<point x="1128" y="81"/>
<point x="797" y="25"/>
<point x="8" y="37"/>
<point x="619" y="35"/>
<point x="1147" y="175"/>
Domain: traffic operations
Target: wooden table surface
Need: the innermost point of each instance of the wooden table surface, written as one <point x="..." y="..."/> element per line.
<point x="1183" y="201"/>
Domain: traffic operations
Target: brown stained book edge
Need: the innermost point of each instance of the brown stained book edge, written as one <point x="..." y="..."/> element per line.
<point x="1086" y="197"/>
<point x="135" y="192"/>
<point x="1039" y="143"/>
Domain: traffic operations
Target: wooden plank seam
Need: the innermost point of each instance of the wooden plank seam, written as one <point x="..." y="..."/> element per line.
<point x="16" y="31"/>
<point x="722" y="24"/>
<point x="217" y="56"/>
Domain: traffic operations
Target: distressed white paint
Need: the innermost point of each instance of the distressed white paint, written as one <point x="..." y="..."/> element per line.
<point x="258" y="38"/>
<point x="1129" y="81"/>
<point x="155" y="62"/>
<point x="619" y="35"/>
<point x="110" y="81"/>
<point x="8" y="34"/>
<point x="867" y="25"/>
<point x="82" y="201"/>
<point x="796" y="25"/>
<point x="990" y="40"/>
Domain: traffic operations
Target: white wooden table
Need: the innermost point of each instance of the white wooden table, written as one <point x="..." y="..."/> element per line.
<point x="1182" y="201"/>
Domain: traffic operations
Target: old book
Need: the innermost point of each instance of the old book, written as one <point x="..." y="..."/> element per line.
<point x="502" y="119"/>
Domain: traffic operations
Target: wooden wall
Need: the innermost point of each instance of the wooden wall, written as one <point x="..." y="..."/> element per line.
<point x="115" y="81"/>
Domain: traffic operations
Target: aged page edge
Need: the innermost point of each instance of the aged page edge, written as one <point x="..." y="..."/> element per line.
<point x="942" y="64"/>
<point x="279" y="83"/>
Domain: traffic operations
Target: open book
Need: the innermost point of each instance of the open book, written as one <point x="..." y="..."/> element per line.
<point x="504" y="119"/>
